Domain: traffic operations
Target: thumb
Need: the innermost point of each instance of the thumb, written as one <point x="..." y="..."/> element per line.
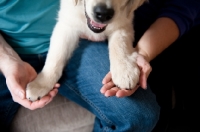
<point x="20" y="93"/>
<point x="107" y="78"/>
<point x="143" y="81"/>
<point x="15" y="87"/>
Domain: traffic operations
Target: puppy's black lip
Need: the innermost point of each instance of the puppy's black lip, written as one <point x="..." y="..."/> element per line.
<point x="91" y="27"/>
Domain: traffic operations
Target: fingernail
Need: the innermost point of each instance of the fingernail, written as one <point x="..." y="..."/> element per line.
<point x="107" y="95"/>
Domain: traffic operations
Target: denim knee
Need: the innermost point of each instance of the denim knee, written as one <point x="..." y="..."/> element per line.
<point x="81" y="83"/>
<point x="137" y="113"/>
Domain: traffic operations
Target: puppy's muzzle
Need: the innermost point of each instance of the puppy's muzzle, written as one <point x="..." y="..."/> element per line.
<point x="102" y="13"/>
<point x="101" y="16"/>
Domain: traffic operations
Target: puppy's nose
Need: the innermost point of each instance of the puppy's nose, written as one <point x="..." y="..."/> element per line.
<point x="102" y="13"/>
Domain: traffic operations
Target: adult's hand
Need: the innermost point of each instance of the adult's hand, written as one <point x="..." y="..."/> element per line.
<point x="109" y="88"/>
<point x="18" y="75"/>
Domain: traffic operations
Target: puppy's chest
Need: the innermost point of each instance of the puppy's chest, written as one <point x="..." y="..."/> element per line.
<point x="88" y="34"/>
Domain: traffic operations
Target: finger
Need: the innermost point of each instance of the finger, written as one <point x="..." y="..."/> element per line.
<point x="143" y="80"/>
<point x="52" y="94"/>
<point x="107" y="78"/>
<point x="124" y="92"/>
<point x="48" y="102"/>
<point x="36" y="104"/>
<point x="39" y="103"/>
<point x="33" y="105"/>
<point x="144" y="75"/>
<point x="15" y="87"/>
<point x="111" y="92"/>
<point x="106" y="87"/>
<point x="57" y="85"/>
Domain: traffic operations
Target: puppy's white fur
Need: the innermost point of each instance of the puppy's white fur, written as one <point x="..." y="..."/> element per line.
<point x="71" y="24"/>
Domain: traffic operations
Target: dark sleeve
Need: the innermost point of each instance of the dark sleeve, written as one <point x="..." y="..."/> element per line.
<point x="183" y="12"/>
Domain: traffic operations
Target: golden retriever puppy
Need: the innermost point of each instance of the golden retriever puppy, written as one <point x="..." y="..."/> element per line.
<point x="97" y="20"/>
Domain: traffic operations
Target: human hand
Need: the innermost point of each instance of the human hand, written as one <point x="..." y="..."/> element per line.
<point x="109" y="88"/>
<point x="18" y="75"/>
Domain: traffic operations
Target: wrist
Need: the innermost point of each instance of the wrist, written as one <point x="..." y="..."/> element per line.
<point x="7" y="64"/>
<point x="144" y="54"/>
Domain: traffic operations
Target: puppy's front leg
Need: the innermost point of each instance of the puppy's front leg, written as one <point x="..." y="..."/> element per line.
<point x="63" y="42"/>
<point x="123" y="66"/>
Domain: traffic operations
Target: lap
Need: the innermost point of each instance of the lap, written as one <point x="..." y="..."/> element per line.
<point x="81" y="83"/>
<point x="82" y="80"/>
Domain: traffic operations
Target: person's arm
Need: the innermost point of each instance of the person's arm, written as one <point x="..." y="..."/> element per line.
<point x="161" y="34"/>
<point x="175" y="19"/>
<point x="18" y="74"/>
<point x="8" y="56"/>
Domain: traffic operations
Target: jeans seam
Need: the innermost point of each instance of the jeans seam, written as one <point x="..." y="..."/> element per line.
<point x="91" y="104"/>
<point x="105" y="129"/>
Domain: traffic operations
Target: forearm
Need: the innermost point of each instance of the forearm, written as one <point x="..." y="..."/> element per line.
<point x="7" y="55"/>
<point x="161" y="34"/>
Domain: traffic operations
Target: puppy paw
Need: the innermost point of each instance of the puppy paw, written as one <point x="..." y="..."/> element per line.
<point x="39" y="87"/>
<point x="125" y="73"/>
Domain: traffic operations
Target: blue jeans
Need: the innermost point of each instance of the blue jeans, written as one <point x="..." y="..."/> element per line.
<point x="81" y="83"/>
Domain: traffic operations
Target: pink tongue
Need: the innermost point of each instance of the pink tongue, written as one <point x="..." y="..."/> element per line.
<point x="95" y="24"/>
